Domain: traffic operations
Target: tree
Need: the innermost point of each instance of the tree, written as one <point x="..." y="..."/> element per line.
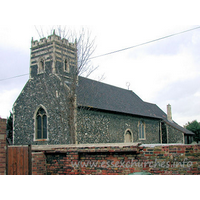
<point x="194" y="126"/>
<point x="9" y="128"/>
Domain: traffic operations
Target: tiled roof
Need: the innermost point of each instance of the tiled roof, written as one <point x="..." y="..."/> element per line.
<point x="106" y="97"/>
<point x="102" y="96"/>
<point x="180" y="128"/>
<point x="159" y="113"/>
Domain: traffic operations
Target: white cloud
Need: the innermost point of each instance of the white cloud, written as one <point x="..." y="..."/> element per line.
<point x="197" y="94"/>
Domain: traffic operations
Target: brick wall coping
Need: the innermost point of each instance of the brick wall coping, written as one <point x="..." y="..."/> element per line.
<point x="103" y="147"/>
<point x="173" y="144"/>
<point x="18" y="146"/>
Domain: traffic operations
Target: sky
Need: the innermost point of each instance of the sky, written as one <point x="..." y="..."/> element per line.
<point x="162" y="72"/>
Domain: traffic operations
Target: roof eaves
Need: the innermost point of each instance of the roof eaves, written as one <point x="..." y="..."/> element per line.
<point x="178" y="127"/>
<point x="119" y="112"/>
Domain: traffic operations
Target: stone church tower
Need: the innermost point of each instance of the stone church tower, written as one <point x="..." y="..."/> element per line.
<point x="52" y="55"/>
<point x="43" y="105"/>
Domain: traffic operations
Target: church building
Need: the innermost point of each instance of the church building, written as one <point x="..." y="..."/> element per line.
<point x="58" y="107"/>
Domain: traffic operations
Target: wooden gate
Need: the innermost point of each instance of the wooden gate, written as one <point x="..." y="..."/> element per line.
<point x="19" y="160"/>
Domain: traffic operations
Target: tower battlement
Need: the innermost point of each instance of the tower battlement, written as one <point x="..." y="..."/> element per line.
<point x="52" y="54"/>
<point x="52" y="38"/>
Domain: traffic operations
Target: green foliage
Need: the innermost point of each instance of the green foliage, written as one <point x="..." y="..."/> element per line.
<point x="9" y="128"/>
<point x="194" y="126"/>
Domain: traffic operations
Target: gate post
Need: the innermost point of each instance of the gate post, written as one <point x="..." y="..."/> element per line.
<point x="29" y="160"/>
<point x="2" y="146"/>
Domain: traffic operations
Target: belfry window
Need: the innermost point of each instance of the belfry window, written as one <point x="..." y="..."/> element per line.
<point x="41" y="67"/>
<point x="41" y="124"/>
<point x="66" y="65"/>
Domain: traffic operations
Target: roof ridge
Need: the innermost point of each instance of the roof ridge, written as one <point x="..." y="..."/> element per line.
<point x="106" y="84"/>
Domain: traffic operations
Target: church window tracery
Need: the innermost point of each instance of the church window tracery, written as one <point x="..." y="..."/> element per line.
<point x="41" y="124"/>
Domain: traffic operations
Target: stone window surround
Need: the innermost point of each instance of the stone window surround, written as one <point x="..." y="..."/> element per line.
<point x="128" y="130"/>
<point x="66" y="61"/>
<point x="144" y="125"/>
<point x="35" y="124"/>
<point x="39" y="71"/>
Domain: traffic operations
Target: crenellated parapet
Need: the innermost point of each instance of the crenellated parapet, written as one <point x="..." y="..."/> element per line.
<point x="52" y="54"/>
<point x="50" y="39"/>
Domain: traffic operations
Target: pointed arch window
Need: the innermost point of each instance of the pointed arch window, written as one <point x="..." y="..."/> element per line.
<point x="128" y="137"/>
<point x="142" y="135"/>
<point x="41" y="124"/>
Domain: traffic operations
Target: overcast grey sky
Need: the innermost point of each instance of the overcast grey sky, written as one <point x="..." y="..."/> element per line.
<point x="167" y="71"/>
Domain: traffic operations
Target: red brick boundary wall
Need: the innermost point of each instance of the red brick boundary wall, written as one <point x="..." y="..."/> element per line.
<point x="171" y="159"/>
<point x="64" y="159"/>
<point x="38" y="163"/>
<point x="2" y="146"/>
<point x="115" y="159"/>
